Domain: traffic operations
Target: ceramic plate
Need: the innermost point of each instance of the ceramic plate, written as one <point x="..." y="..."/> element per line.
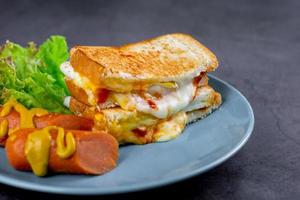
<point x="202" y="146"/>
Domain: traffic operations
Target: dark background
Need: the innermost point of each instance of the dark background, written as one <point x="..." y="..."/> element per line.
<point x="258" y="45"/>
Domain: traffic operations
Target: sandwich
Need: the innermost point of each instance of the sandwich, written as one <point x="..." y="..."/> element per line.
<point x="142" y="92"/>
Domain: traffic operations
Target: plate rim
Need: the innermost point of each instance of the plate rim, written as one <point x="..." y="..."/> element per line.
<point x="149" y="185"/>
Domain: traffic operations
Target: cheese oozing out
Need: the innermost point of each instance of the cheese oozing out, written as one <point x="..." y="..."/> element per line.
<point x="185" y="97"/>
<point x="170" y="102"/>
<point x="203" y="98"/>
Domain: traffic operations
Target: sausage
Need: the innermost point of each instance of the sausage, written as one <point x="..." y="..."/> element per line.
<point x="96" y="153"/>
<point x="73" y="122"/>
<point x="13" y="121"/>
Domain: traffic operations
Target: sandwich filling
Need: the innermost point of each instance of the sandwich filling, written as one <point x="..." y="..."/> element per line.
<point x="156" y="113"/>
<point x="161" y="100"/>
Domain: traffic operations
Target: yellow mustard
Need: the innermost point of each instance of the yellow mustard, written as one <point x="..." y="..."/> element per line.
<point x="3" y="128"/>
<point x="170" y="85"/>
<point x="38" y="144"/>
<point x="65" y="146"/>
<point x="37" y="149"/>
<point x="26" y="116"/>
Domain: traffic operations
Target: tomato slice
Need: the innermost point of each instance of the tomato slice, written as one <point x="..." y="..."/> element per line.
<point x="102" y="95"/>
<point x="152" y="104"/>
<point x="140" y="132"/>
<point x="198" y="79"/>
<point x="196" y="82"/>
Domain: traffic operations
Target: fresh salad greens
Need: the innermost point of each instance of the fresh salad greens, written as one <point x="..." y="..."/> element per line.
<point x="32" y="76"/>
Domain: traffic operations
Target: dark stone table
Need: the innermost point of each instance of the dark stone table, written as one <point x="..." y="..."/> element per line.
<point x="258" y="45"/>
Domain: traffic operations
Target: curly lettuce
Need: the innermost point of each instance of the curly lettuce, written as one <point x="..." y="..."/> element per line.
<point x="32" y="76"/>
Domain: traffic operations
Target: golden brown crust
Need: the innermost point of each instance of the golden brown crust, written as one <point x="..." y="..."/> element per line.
<point x="86" y="66"/>
<point x="77" y="92"/>
<point x="196" y="115"/>
<point x="161" y="59"/>
<point x="188" y="39"/>
<point x="82" y="109"/>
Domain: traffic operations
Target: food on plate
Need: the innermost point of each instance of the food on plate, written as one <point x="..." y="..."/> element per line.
<point x="70" y="116"/>
<point x="32" y="76"/>
<point x="64" y="151"/>
<point x="14" y="115"/>
<point x="39" y="133"/>
<point x="142" y="92"/>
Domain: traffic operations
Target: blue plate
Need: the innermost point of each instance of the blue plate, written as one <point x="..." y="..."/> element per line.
<point x="203" y="145"/>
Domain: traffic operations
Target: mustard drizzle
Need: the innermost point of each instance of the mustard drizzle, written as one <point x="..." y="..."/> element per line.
<point x="38" y="145"/>
<point x="26" y="116"/>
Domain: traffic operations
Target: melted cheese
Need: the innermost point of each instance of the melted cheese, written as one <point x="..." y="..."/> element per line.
<point x="171" y="101"/>
<point x="122" y="125"/>
<point x="67" y="101"/>
<point x="174" y="96"/>
<point x="202" y="99"/>
<point x="171" y="128"/>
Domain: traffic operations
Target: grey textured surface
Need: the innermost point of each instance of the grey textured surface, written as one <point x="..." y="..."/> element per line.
<point x="258" y="45"/>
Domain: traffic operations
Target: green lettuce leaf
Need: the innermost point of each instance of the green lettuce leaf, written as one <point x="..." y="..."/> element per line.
<point x="32" y="76"/>
<point x="53" y="52"/>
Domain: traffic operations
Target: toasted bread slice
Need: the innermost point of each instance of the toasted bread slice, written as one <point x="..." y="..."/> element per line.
<point x="201" y="113"/>
<point x="171" y="57"/>
<point x="77" y="92"/>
